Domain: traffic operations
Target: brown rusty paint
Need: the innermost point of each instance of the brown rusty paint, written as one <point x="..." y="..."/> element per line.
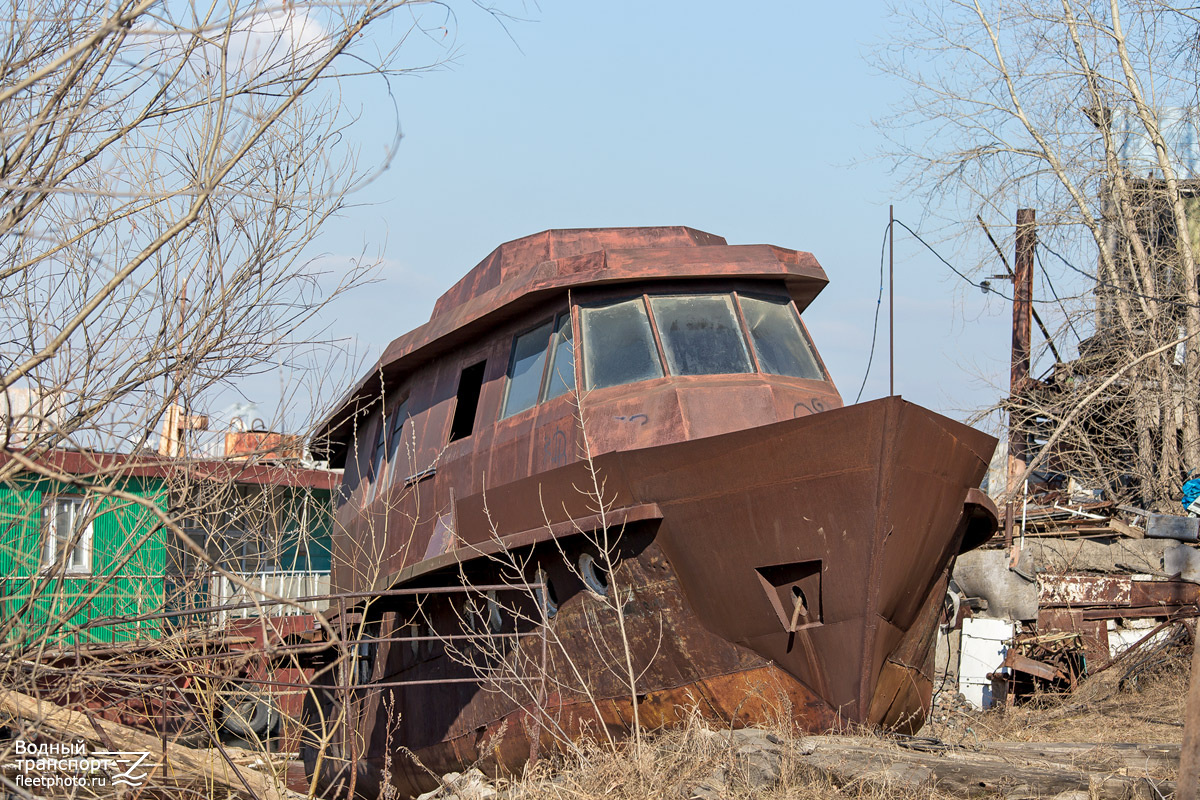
<point x="510" y="285"/>
<point x="1095" y="593"/>
<point x="1030" y="666"/>
<point x="731" y="496"/>
<point x="1083" y="590"/>
<point x="746" y="697"/>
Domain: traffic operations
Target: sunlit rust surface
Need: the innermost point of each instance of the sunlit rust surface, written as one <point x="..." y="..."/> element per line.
<point x="873" y="502"/>
<point x="779" y="554"/>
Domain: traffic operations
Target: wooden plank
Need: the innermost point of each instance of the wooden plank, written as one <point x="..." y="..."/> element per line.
<point x="1132" y="531"/>
<point x="1019" y="769"/>
<point x="178" y="761"/>
<point x="1133" y="756"/>
<point x="1112" y="527"/>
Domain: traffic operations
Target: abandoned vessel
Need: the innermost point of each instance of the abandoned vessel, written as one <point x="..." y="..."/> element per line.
<point x="627" y="435"/>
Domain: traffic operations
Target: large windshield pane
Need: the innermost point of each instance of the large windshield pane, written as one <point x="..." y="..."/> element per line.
<point x="778" y="338"/>
<point x="618" y="346"/>
<point x="561" y="377"/>
<point x="525" y="370"/>
<point x="700" y="335"/>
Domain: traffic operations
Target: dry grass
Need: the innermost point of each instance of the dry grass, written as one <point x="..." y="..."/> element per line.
<point x="1138" y="701"/>
<point x="693" y="761"/>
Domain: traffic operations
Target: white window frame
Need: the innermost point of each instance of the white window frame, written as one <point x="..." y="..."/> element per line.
<point x="81" y="509"/>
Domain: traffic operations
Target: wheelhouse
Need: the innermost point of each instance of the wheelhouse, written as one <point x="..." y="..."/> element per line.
<point x="614" y="339"/>
<point x="561" y="343"/>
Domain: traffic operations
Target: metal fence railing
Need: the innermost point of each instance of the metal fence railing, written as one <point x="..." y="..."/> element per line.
<point x="263" y="587"/>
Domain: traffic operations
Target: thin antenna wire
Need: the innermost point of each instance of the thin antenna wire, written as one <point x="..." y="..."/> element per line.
<point x="878" y="304"/>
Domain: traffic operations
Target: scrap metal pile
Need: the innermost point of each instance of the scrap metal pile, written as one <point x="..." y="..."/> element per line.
<point x="1069" y="588"/>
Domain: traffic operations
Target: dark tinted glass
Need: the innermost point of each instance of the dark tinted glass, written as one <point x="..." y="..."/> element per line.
<point x="700" y="335"/>
<point x="378" y="452"/>
<point x="525" y="369"/>
<point x="778" y="338"/>
<point x="618" y="346"/>
<point x="397" y="457"/>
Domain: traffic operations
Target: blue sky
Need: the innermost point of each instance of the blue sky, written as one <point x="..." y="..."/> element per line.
<point x="752" y="121"/>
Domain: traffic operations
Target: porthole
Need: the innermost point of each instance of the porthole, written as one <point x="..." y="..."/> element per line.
<point x="594" y="575"/>
<point x="544" y="594"/>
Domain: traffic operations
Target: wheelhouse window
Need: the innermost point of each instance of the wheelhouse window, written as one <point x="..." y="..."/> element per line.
<point x="397" y="455"/>
<point x="378" y="453"/>
<point x="67" y="534"/>
<point x="560" y="376"/>
<point x="385" y="455"/>
<point x="700" y="334"/>
<point x="542" y="366"/>
<point x="779" y="341"/>
<point x="525" y="369"/>
<point x="618" y="345"/>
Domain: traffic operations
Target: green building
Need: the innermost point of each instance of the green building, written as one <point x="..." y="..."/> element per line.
<point x="82" y="560"/>
<point x="77" y="556"/>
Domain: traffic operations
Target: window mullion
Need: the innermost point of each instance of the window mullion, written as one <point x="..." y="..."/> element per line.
<point x="576" y="343"/>
<point x="548" y="362"/>
<point x="662" y="354"/>
<point x="86" y="535"/>
<point x="50" y="531"/>
<point x="65" y="536"/>
<point x="737" y="307"/>
<point x="73" y="534"/>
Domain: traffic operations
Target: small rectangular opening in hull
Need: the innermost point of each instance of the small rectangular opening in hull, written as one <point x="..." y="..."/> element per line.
<point x="470" y="383"/>
<point x="794" y="591"/>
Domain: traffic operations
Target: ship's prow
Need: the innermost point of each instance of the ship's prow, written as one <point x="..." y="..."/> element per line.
<point x="610" y="481"/>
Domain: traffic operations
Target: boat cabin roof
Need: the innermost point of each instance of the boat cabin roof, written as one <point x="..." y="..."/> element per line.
<point x="520" y="275"/>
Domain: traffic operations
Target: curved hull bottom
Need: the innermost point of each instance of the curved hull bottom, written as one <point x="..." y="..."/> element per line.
<point x="793" y="573"/>
<point x="732" y="686"/>
<point x="768" y="697"/>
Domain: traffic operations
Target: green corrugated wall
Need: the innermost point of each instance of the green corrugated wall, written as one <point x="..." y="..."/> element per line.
<point x="126" y="578"/>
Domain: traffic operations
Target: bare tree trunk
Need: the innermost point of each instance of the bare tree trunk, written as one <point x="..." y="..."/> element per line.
<point x="1006" y="127"/>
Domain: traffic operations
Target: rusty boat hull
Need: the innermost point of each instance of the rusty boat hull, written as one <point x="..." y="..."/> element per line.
<point x="791" y="572"/>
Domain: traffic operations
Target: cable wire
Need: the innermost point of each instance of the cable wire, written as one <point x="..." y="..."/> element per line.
<point x="1049" y="283"/>
<point x="1101" y="282"/>
<point x="983" y="287"/>
<point x="878" y="303"/>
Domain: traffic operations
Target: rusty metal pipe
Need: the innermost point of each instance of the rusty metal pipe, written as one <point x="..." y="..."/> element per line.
<point x="316" y="598"/>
